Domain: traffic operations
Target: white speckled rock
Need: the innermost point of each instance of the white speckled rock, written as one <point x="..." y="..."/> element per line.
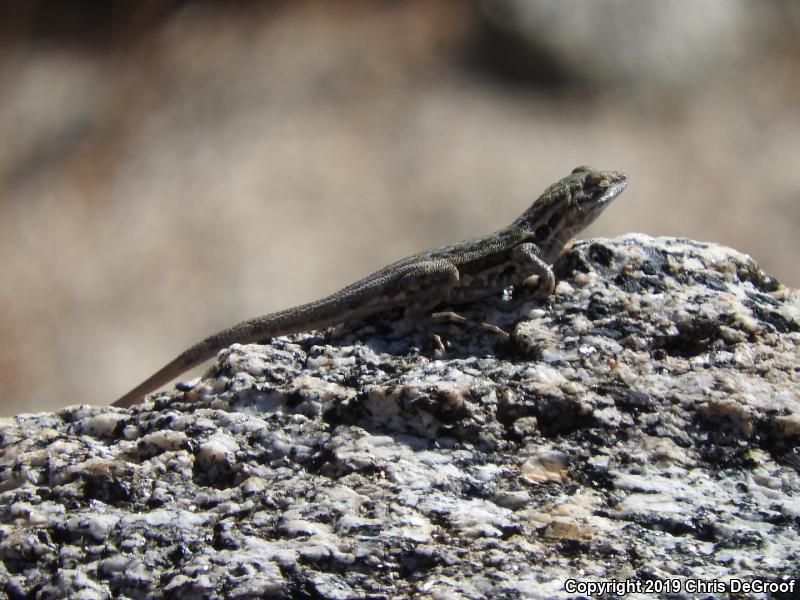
<point x="642" y="423"/>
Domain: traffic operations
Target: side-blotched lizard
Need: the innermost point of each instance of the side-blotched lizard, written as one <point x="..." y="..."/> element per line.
<point x="452" y="274"/>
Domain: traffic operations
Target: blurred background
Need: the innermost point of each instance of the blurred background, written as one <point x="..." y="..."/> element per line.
<point x="168" y="168"/>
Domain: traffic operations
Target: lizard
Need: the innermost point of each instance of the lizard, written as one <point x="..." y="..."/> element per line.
<point x="453" y="274"/>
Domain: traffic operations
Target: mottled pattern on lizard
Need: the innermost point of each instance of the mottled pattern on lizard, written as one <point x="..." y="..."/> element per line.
<point x="451" y="274"/>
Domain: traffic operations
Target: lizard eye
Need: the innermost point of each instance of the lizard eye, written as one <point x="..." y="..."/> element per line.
<point x="542" y="233"/>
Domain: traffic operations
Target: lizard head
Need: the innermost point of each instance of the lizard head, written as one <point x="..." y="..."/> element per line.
<point x="568" y="206"/>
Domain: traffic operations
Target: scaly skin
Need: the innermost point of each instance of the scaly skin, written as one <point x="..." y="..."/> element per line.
<point x="457" y="273"/>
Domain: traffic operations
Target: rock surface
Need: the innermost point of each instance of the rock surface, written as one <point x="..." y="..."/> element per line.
<point x="642" y="423"/>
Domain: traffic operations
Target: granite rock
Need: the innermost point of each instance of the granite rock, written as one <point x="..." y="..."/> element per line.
<point x="640" y="424"/>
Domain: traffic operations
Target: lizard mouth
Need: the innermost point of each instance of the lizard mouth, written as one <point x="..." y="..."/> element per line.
<point x="614" y="188"/>
<point x="607" y="189"/>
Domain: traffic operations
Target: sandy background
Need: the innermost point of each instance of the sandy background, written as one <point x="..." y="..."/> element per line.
<point x="167" y="171"/>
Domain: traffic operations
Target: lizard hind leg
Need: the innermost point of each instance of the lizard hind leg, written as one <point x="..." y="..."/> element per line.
<point x="440" y="346"/>
<point x="450" y="316"/>
<point x="429" y="286"/>
<point x="429" y="281"/>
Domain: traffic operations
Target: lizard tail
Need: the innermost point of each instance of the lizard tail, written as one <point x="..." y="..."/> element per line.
<point x="310" y="316"/>
<point x="337" y="308"/>
<point x="192" y="357"/>
<point x="155" y="381"/>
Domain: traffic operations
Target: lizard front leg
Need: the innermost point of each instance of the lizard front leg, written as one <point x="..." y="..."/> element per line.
<point x="526" y="257"/>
